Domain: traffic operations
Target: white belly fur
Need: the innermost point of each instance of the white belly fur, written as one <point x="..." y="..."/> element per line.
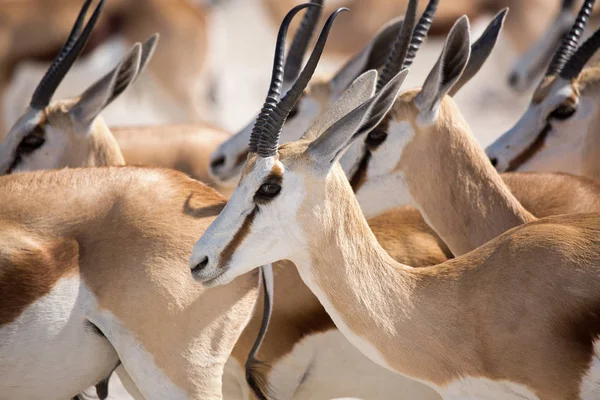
<point x="326" y="365"/>
<point x="50" y="351"/>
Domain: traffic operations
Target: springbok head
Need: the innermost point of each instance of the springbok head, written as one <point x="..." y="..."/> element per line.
<point x="228" y="159"/>
<point x="557" y="132"/>
<point x="264" y="220"/>
<point x="377" y="166"/>
<point x="530" y="66"/>
<point x="70" y="132"/>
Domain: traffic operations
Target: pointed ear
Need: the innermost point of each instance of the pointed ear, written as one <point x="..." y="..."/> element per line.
<point x="371" y="57"/>
<point x="148" y="49"/>
<point x="107" y="89"/>
<point x="328" y="147"/>
<point x="361" y="90"/>
<point x="447" y="70"/>
<point x="481" y="50"/>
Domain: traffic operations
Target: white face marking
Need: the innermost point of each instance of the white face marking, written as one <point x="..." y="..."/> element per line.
<point x="29" y="120"/>
<point x="590" y="386"/>
<point x="514" y="142"/>
<point x="565" y="145"/>
<point x="50" y="350"/>
<point x="273" y="235"/>
<point x="385" y="186"/>
<point x="308" y="109"/>
<point x="483" y="388"/>
<point x="326" y="366"/>
<point x="50" y="155"/>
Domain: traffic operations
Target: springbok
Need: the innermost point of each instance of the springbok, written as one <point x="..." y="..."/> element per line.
<point x="425" y="248"/>
<point x="557" y="131"/>
<point x="67" y="319"/>
<point x="530" y="66"/>
<point x="463" y="327"/>
<point x="66" y="135"/>
<point x="34" y="29"/>
<point x="83" y="290"/>
<point x="228" y="158"/>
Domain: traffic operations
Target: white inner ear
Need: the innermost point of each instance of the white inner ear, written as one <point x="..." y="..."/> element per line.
<point x="361" y="90"/>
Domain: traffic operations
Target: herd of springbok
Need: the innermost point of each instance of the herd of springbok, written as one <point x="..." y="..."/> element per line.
<point x="368" y="246"/>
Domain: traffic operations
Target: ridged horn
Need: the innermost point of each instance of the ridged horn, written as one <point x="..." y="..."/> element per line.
<point x="302" y="37"/>
<point x="420" y="32"/>
<point x="274" y="93"/>
<point x="269" y="138"/>
<point x="576" y="63"/>
<point x="399" y="49"/>
<point x="571" y="40"/>
<point x="63" y="62"/>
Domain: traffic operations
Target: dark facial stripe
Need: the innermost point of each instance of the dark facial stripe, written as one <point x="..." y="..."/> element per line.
<point x="39" y="131"/>
<point x="237" y="239"/>
<point x="531" y="150"/>
<point x="360" y="175"/>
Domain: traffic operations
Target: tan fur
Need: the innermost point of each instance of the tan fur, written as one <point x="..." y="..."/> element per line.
<point x="21" y="281"/>
<point x="96" y="149"/>
<point x="158" y="213"/>
<point x="36" y="29"/>
<point x="531" y="294"/>
<point x="476" y="206"/>
<point x="463" y="198"/>
<point x="186" y="148"/>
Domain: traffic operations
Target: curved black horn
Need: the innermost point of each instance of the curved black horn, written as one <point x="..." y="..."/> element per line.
<point x="276" y="78"/>
<point x="571" y="40"/>
<point x="420" y="32"/>
<point x="269" y="138"/>
<point x="302" y="37"/>
<point x="399" y="49"/>
<point x="576" y="63"/>
<point x="65" y="58"/>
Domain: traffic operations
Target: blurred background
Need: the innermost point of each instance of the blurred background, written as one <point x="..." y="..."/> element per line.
<point x="214" y="57"/>
<point x="213" y="62"/>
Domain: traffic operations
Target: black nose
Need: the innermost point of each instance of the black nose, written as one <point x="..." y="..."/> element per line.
<point x="201" y="265"/>
<point x="513" y="80"/>
<point x="217" y="162"/>
<point x="494" y="161"/>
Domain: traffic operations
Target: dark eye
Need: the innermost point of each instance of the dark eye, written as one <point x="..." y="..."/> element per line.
<point x="563" y="112"/>
<point x="30" y="143"/>
<point x="376" y="137"/>
<point x="268" y="191"/>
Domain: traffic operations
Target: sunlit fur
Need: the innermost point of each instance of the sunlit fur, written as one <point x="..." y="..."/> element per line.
<point x="570" y="145"/>
<point x="38" y="28"/>
<point x="428" y="323"/>
<point x="119" y="239"/>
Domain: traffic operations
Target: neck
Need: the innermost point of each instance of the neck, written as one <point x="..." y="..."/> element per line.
<point x="385" y="309"/>
<point x="103" y="148"/>
<point x="456" y="189"/>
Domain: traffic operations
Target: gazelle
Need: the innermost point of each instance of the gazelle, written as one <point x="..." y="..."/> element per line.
<point x="83" y="290"/>
<point x="34" y="29"/>
<point x="464" y="326"/>
<point x="425" y="139"/>
<point x="425" y="249"/>
<point x="228" y="158"/>
<point x="66" y="135"/>
<point x="530" y="66"/>
<point x="558" y="130"/>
